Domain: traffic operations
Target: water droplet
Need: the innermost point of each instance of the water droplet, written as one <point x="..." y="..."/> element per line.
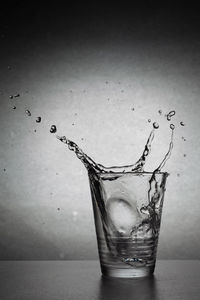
<point x="28" y="112"/>
<point x="38" y="119"/>
<point x="160" y="111"/>
<point x="11" y="96"/>
<point x="182" y="124"/>
<point x="58" y="208"/>
<point x="155" y="125"/>
<point x="184" y="155"/>
<point x="53" y="129"/>
<point x="170" y="114"/>
<point x="172" y="126"/>
<point x="14" y="107"/>
<point x="35" y="130"/>
<point x="149" y="120"/>
<point x="4" y="169"/>
<point x="132" y="108"/>
<point x="73" y="124"/>
<point x="17" y="95"/>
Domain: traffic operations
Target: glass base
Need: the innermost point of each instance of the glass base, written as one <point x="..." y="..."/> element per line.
<point x="127" y="273"/>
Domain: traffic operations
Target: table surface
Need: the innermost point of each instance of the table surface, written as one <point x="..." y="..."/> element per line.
<point x="82" y="280"/>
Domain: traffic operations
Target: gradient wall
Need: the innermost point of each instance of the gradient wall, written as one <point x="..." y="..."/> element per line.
<point x="84" y="69"/>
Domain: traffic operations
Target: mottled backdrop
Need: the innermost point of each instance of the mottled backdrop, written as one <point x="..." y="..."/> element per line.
<point x="98" y="73"/>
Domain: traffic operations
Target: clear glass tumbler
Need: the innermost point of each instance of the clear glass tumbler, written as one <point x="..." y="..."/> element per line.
<point x="127" y="212"/>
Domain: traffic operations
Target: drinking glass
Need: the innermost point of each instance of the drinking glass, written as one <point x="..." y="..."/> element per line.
<point x="127" y="211"/>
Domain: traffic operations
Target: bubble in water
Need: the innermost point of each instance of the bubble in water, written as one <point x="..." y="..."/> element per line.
<point x="28" y="113"/>
<point x="172" y="126"/>
<point x="182" y="124"/>
<point x="38" y="119"/>
<point x="170" y="114"/>
<point x="149" y="120"/>
<point x="155" y="125"/>
<point x="160" y="111"/>
<point x="53" y="129"/>
<point x="17" y="95"/>
<point x="14" y="107"/>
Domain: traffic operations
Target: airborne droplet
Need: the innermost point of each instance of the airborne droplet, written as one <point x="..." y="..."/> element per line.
<point x="38" y="119"/>
<point x="182" y="124"/>
<point x="160" y="111"/>
<point x="14" y="107"/>
<point x="170" y="114"/>
<point x="172" y="126"/>
<point x="53" y="129"/>
<point x="149" y="120"/>
<point x="28" y="113"/>
<point x="155" y="125"/>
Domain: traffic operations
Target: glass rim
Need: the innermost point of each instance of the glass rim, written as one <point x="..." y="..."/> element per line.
<point x="133" y="173"/>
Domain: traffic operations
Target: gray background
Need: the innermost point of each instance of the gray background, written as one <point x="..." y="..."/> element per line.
<point x="84" y="69"/>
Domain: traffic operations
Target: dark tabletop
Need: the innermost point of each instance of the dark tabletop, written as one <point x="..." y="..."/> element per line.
<point x="83" y="280"/>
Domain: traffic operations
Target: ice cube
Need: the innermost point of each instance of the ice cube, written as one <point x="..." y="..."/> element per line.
<point x="122" y="216"/>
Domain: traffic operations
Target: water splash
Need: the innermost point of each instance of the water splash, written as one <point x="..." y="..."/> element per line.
<point x="138" y="224"/>
<point x="89" y="163"/>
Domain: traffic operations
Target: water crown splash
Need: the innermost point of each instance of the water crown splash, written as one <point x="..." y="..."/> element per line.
<point x="145" y="220"/>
